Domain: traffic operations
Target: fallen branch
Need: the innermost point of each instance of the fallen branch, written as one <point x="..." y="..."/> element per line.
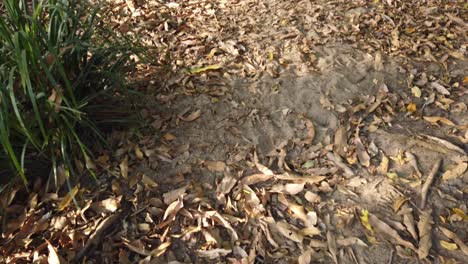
<point x="428" y="182"/>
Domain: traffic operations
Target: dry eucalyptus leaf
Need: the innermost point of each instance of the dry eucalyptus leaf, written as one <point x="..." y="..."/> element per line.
<point x="53" y="257"/>
<point x="124" y="167"/>
<point x="216" y="166"/>
<point x="109" y="205"/>
<point x="289" y="231"/>
<point x="256" y="178"/>
<point x="289" y="188"/>
<point x="362" y="154"/>
<point x="439" y="88"/>
<point x="384" y="228"/>
<point x="332" y="248"/>
<point x="191" y="117"/>
<point x="306" y="256"/>
<point x="175" y="194"/>
<point x="455" y="238"/>
<point x="213" y="253"/>
<point x="173" y="208"/>
<point x="425" y="234"/>
<point x="455" y="172"/>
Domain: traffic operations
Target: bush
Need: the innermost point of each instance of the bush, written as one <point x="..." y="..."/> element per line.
<point x="56" y="64"/>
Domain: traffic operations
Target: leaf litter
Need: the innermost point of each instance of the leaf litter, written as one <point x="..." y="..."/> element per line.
<point x="182" y="193"/>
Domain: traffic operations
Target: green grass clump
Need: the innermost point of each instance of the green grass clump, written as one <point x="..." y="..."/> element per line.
<point x="56" y="64"/>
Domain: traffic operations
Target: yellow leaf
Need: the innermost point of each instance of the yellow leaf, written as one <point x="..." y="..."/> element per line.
<point x="411" y="107"/>
<point x="270" y="55"/>
<point x="460" y="213"/>
<point x="410" y="30"/>
<point x="448" y="245"/>
<point x="416" y="91"/>
<point x="465" y="80"/>
<point x="365" y="220"/>
<point x="205" y="68"/>
<point x="68" y="198"/>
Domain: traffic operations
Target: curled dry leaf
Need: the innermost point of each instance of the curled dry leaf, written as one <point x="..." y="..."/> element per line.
<point x="68" y="198"/>
<point x="382" y="227"/>
<point x="173" y="209"/>
<point x="263" y="169"/>
<point x="253" y="205"/>
<point x="222" y="221"/>
<point x="425" y="234"/>
<point x="455" y="172"/>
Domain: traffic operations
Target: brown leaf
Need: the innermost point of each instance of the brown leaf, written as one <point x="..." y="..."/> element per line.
<point x="289" y="188"/>
<point x="408" y="221"/>
<point x="362" y="154"/>
<point x="256" y="178"/>
<point x="289" y="231"/>
<point x="428" y="182"/>
<point x="173" y="209"/>
<point x="175" y="194"/>
<point x="413" y="162"/>
<point x="161" y="249"/>
<point x="384" y="228"/>
<point x="340" y="141"/>
<point x="439" y="88"/>
<point x="191" y="117"/>
<point x="217" y="217"/>
<point x="425" y="234"/>
<point x="213" y="253"/>
<point x="331" y="242"/>
<point x="306" y="256"/>
<point x="309" y="179"/>
<point x="455" y="172"/>
<point x="109" y="205"/>
<point x="124" y="167"/>
<point x="435" y="119"/>
<point x="310" y="132"/>
<point x="216" y="166"/>
<point x="263" y="169"/>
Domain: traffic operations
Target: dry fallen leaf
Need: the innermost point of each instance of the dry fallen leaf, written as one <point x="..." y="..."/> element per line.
<point x="191" y="117"/>
<point x="289" y="231"/>
<point x="425" y="234"/>
<point x="216" y="166"/>
<point x="331" y="242"/>
<point x="173" y="208"/>
<point x="362" y="154"/>
<point x="382" y="227"/>
<point x="256" y="178"/>
<point x="213" y="253"/>
<point x="124" y="167"/>
<point x="175" y="194"/>
<point x="447" y="245"/>
<point x="455" y="172"/>
<point x="310" y="132"/>
<point x="306" y="256"/>
<point x="439" y="88"/>
<point x="68" y="198"/>
<point x="53" y="257"/>
<point x="195" y="70"/>
<point x="455" y="238"/>
<point x="289" y="188"/>
<point x="109" y="205"/>
<point x="435" y="119"/>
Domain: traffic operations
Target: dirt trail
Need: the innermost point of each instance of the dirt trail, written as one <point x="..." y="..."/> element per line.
<point x="292" y="132"/>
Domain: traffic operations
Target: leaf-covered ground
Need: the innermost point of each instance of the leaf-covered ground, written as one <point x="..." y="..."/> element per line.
<point x="275" y="132"/>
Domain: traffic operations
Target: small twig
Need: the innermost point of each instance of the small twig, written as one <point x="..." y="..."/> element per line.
<point x="390" y="259"/>
<point x="428" y="182"/>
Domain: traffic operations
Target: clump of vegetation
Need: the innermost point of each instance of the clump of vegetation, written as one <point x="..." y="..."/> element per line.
<point x="58" y="68"/>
